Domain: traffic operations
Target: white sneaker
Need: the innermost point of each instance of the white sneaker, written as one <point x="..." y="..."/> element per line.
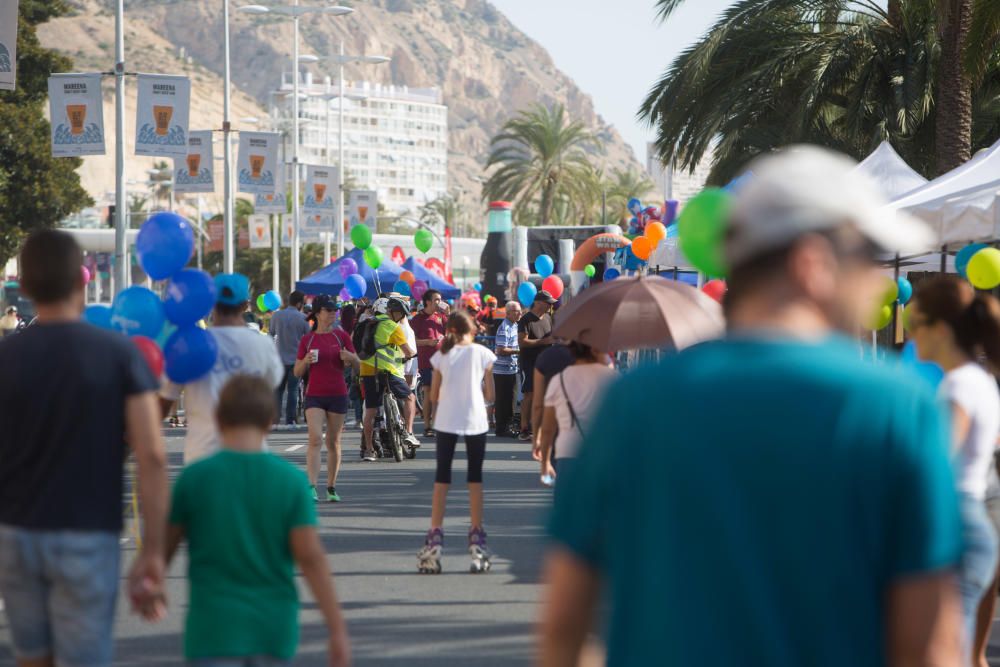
<point x="411" y="440"/>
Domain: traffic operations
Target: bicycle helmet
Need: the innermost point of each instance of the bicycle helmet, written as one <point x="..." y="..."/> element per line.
<point x="381" y="306"/>
<point x="397" y="305"/>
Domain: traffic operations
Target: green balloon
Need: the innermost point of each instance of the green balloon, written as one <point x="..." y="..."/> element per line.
<point x="260" y="304"/>
<point x="702" y="227"/>
<point x="984" y="269"/>
<point x="373" y="256"/>
<point x="590" y="270"/>
<point x="423" y="239"/>
<point x="881" y="318"/>
<point x="361" y="237"/>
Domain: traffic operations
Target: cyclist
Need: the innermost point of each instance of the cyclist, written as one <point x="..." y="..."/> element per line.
<point x="390" y="349"/>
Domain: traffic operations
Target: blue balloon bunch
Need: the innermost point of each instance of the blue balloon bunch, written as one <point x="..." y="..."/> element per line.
<point x="356" y="285"/>
<point x="526" y="294"/>
<point x="544" y="266"/>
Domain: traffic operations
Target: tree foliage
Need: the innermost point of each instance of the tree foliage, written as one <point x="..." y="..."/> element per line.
<point x="36" y="189"/>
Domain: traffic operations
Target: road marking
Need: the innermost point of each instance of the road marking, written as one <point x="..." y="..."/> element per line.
<point x="294" y="448"/>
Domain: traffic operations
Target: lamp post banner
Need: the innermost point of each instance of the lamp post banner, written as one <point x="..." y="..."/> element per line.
<point x="364" y="208"/>
<point x="77" y="114"/>
<point x="260" y="231"/>
<point x="162" y="111"/>
<point x="322" y="185"/>
<point x="273" y="202"/>
<point x="8" y="44"/>
<point x="257" y="164"/>
<point x="193" y="172"/>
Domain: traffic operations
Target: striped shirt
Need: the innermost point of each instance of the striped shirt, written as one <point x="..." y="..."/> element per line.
<point x="506" y="337"/>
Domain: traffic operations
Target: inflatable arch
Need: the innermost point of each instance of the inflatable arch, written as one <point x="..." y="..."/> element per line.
<point x="590" y="250"/>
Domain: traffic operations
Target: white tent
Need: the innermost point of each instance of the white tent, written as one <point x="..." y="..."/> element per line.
<point x="894" y="177"/>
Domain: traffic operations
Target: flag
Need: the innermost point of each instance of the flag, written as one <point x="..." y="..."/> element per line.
<point x="8" y="44"/>
<point x="193" y="172"/>
<point x="447" y="256"/>
<point x="162" y="111"/>
<point x="260" y="231"/>
<point x="257" y="163"/>
<point x="77" y="114"/>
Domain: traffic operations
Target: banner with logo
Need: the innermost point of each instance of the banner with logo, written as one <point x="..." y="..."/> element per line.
<point x="286" y="232"/>
<point x="216" y="234"/>
<point x="322" y="185"/>
<point x="363" y="208"/>
<point x="162" y="111"/>
<point x="193" y="173"/>
<point x="257" y="164"/>
<point x="77" y="114"/>
<point x="273" y="202"/>
<point x="8" y="44"/>
<point x="316" y="222"/>
<point x="260" y="231"/>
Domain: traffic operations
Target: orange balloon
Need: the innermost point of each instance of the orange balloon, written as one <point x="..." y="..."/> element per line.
<point x="408" y="278"/>
<point x="642" y="247"/>
<point x="656" y="232"/>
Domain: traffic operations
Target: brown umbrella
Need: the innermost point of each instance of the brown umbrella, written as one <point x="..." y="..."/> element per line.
<point x="640" y="313"/>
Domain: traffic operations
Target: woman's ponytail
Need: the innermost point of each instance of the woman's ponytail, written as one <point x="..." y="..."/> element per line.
<point x="459" y="326"/>
<point x="974" y="317"/>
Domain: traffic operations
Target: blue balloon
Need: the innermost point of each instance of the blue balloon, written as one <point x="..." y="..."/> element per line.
<point x="634" y="205"/>
<point x="98" y="315"/>
<point x="544" y="266"/>
<point x="478" y="287"/>
<point x="137" y="311"/>
<point x="964" y="256"/>
<point x="611" y="274"/>
<point x="165" y="244"/>
<point x="190" y="353"/>
<point x="402" y="287"/>
<point x="356" y="285"/>
<point x="928" y="370"/>
<point x="905" y="288"/>
<point x="190" y="296"/>
<point x="272" y="300"/>
<point x="526" y="294"/>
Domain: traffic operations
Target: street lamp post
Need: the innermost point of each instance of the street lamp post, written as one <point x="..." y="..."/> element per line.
<point x="228" y="251"/>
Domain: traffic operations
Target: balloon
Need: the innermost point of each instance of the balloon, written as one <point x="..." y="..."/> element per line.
<point x="590" y="270"/>
<point x="611" y="274"/>
<point x="478" y="287"/>
<point x="401" y="287"/>
<point x="964" y="255"/>
<point x="344" y="294"/>
<point x="373" y="256"/>
<point x="98" y="315"/>
<point x="361" y="237"/>
<point x="272" y="300"/>
<point x="554" y="286"/>
<point x="423" y="239"/>
<point x="151" y="352"/>
<point x="905" y="290"/>
<point x="165" y="244"/>
<point x="190" y="296"/>
<point x="190" y="353"/>
<point x="701" y="227"/>
<point x="408" y="278"/>
<point x="418" y="289"/>
<point x="544" y="266"/>
<point x="526" y="294"/>
<point x="356" y="286"/>
<point x="137" y="311"/>
<point x="261" y="306"/>
<point x="984" y="269"/>
<point x="642" y="248"/>
<point x="904" y="317"/>
<point x="928" y="370"/>
<point x="656" y="232"/>
<point x="882" y="318"/>
<point x="348" y="267"/>
<point x="85" y="274"/>
<point x="634" y="206"/>
<point x="715" y="289"/>
<point x="890" y="293"/>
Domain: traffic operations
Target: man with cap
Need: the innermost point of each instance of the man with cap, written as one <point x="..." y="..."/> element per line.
<point x="242" y="351"/>
<point x="534" y="331"/>
<point x="794" y="505"/>
<point x="10" y="322"/>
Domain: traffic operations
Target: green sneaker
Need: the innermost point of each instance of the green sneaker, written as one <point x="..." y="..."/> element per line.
<point x="315" y="497"/>
<point x="331" y="495"/>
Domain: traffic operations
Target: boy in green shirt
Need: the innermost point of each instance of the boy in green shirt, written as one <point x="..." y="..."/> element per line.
<point x="242" y="545"/>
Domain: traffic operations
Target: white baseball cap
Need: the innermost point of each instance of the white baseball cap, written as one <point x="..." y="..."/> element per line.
<point x="804" y="189"/>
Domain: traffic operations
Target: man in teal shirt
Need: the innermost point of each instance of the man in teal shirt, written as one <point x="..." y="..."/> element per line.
<point x="794" y="506"/>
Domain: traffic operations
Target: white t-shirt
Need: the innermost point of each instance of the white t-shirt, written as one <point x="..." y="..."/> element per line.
<point x="585" y="384"/>
<point x="975" y="391"/>
<point x="411" y="340"/>
<point x="461" y="408"/>
<point x="241" y="351"/>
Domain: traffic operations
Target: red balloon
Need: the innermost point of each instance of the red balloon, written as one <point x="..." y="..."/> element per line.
<point x="554" y="286"/>
<point x="151" y="352"/>
<point x="715" y="289"/>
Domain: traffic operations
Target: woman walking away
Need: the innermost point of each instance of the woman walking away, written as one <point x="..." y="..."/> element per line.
<point x="462" y="375"/>
<point x="571" y="398"/>
<point x="324" y="353"/>
<point x="954" y="326"/>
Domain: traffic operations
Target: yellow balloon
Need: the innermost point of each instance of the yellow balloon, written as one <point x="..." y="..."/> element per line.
<point x="905" y="318"/>
<point x="984" y="269"/>
<point x="882" y="318"/>
<point x="891" y="292"/>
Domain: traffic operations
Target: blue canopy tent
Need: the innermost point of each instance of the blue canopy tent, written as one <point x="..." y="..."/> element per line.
<point x="448" y="291"/>
<point x="329" y="281"/>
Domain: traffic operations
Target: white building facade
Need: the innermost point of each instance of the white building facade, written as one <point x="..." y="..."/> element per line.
<point x="395" y="137"/>
<point x="675" y="183"/>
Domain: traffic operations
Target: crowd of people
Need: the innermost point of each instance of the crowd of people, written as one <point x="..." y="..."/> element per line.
<point x="767" y="499"/>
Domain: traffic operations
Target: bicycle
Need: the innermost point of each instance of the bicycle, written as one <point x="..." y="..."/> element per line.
<point x="388" y="430"/>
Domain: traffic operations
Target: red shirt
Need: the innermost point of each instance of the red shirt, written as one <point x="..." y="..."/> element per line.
<point x="326" y="377"/>
<point x="427" y="327"/>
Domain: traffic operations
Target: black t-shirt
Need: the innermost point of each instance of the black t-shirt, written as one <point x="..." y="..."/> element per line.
<point x="62" y="425"/>
<point x="536" y="327"/>
<point x="554" y="360"/>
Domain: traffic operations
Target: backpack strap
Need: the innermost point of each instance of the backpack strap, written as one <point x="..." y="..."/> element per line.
<point x="569" y="404"/>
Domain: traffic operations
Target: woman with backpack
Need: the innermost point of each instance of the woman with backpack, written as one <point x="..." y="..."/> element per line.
<point x="324" y="354"/>
<point x="462" y="385"/>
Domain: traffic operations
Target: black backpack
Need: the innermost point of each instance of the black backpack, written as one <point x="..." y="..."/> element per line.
<point x="364" y="338"/>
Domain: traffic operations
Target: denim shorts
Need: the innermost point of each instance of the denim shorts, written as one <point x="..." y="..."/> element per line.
<point x="373" y="390"/>
<point x="427" y="377"/>
<point x="59" y="588"/>
<point x="337" y="404"/>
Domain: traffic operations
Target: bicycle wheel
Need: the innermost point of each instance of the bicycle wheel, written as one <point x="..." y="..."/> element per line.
<point x="393" y="424"/>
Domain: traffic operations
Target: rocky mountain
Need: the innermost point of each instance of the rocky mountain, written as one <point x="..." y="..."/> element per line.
<point x="486" y="67"/>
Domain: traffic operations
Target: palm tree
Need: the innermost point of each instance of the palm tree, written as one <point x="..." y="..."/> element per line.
<point x="842" y="73"/>
<point x="625" y="185"/>
<point x="444" y="211"/>
<point x="539" y="157"/>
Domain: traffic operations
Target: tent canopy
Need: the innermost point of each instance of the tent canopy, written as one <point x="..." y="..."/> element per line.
<point x="894" y="177"/>
<point x="980" y="173"/>
<point x="448" y="291"/>
<point x="329" y="281"/>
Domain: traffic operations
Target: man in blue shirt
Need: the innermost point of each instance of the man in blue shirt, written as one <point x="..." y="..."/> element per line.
<point x="505" y="369"/>
<point x="288" y="326"/>
<point x="793" y="505"/>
